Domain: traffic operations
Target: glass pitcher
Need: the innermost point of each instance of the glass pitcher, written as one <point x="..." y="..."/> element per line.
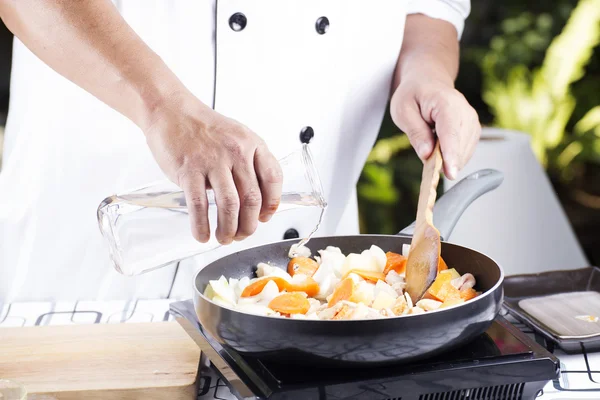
<point x="149" y="228"/>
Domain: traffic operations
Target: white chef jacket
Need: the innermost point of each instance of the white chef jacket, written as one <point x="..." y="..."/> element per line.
<point x="296" y="63"/>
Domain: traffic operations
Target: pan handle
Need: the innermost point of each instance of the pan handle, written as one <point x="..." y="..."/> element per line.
<point x="451" y="205"/>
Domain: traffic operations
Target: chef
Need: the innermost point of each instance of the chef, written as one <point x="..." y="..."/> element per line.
<point x="109" y="96"/>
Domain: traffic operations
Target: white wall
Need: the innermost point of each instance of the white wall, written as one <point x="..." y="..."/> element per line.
<point x="521" y="224"/>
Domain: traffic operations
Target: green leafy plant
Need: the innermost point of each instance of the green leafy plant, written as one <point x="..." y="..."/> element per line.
<point x="540" y="101"/>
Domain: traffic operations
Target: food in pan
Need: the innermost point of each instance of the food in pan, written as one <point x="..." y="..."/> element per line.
<point x="333" y="286"/>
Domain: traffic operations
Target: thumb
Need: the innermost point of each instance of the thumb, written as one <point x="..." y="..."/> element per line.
<point x="407" y="116"/>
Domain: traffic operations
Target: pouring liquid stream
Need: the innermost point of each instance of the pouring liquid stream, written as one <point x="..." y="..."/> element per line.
<point x="305" y="240"/>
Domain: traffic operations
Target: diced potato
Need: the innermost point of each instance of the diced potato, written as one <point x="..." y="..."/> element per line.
<point x="379" y="256"/>
<point x="429" y="304"/>
<point x="416" y="310"/>
<point x="370" y="262"/>
<point x="383" y="300"/>
<point x="381" y="286"/>
<point x="364" y="292"/>
<point x="363" y="262"/>
<point x="451" y="303"/>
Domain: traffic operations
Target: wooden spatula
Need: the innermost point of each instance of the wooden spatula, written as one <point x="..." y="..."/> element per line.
<point x="425" y="248"/>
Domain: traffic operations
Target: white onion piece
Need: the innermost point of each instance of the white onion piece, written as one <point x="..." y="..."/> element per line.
<point x="381" y="286"/>
<point x="428" y="304"/>
<point x="265" y="270"/>
<point x="241" y="285"/>
<point x="223" y="290"/>
<point x="218" y="300"/>
<point x="379" y="256"/>
<point x="257" y="309"/>
<point x="301" y="251"/>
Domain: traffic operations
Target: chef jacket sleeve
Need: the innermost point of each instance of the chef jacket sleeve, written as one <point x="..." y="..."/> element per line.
<point x="453" y="11"/>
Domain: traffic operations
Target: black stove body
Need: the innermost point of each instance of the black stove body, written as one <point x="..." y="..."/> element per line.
<point x="502" y="364"/>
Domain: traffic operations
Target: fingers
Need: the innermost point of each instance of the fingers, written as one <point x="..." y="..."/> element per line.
<point x="194" y="188"/>
<point x="250" y="198"/>
<point x="458" y="130"/>
<point x="407" y="116"/>
<point x="450" y="131"/>
<point x="474" y="138"/>
<point x="228" y="203"/>
<point x="270" y="179"/>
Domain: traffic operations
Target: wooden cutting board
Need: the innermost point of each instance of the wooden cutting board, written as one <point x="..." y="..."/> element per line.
<point x="102" y="361"/>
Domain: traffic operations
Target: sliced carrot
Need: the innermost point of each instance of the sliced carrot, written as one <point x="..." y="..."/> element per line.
<point x="395" y="262"/>
<point x="442" y="288"/>
<point x="258" y="285"/>
<point x="308" y="286"/>
<point x="442" y="266"/>
<point x="345" y="312"/>
<point x="302" y="265"/>
<point x="447" y="292"/>
<point x="343" y="291"/>
<point x="290" y="303"/>
<point x="367" y="275"/>
<point x="468" y="294"/>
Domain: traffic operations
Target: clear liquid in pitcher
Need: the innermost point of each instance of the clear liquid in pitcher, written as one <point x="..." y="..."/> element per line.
<point x="150" y="227"/>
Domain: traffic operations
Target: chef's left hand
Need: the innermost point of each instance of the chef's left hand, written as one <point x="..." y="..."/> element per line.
<point x="425" y="98"/>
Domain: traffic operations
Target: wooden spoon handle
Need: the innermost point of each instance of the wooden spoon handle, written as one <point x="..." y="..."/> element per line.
<point x="428" y="192"/>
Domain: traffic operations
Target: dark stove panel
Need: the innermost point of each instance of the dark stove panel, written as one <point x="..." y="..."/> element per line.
<point x="503" y="364"/>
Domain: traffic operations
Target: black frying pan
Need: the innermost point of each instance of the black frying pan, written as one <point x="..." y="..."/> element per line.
<point x="360" y="342"/>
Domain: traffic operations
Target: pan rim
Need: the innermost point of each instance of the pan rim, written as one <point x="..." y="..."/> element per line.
<point x="489" y="292"/>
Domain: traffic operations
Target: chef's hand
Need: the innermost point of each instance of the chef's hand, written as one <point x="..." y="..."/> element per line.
<point x="425" y="98"/>
<point x="199" y="149"/>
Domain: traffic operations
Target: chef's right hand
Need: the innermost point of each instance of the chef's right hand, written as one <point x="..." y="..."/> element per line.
<point x="199" y="149"/>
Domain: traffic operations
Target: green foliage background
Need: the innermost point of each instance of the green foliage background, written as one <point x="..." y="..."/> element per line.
<point x="525" y="65"/>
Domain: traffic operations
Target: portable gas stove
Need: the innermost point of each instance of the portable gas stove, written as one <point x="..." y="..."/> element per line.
<point x="502" y="364"/>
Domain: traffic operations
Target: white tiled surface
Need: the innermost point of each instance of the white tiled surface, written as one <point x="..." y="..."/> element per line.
<point x="585" y="374"/>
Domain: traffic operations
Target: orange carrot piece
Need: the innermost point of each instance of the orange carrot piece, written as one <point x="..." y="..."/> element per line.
<point x="442" y="265"/>
<point x="395" y="262"/>
<point x="290" y="303"/>
<point x="302" y="265"/>
<point x="468" y="294"/>
<point x="367" y="275"/>
<point x="308" y="286"/>
<point x="446" y="292"/>
<point x="258" y="285"/>
<point x="442" y="286"/>
<point x="343" y="291"/>
<point x="345" y="312"/>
